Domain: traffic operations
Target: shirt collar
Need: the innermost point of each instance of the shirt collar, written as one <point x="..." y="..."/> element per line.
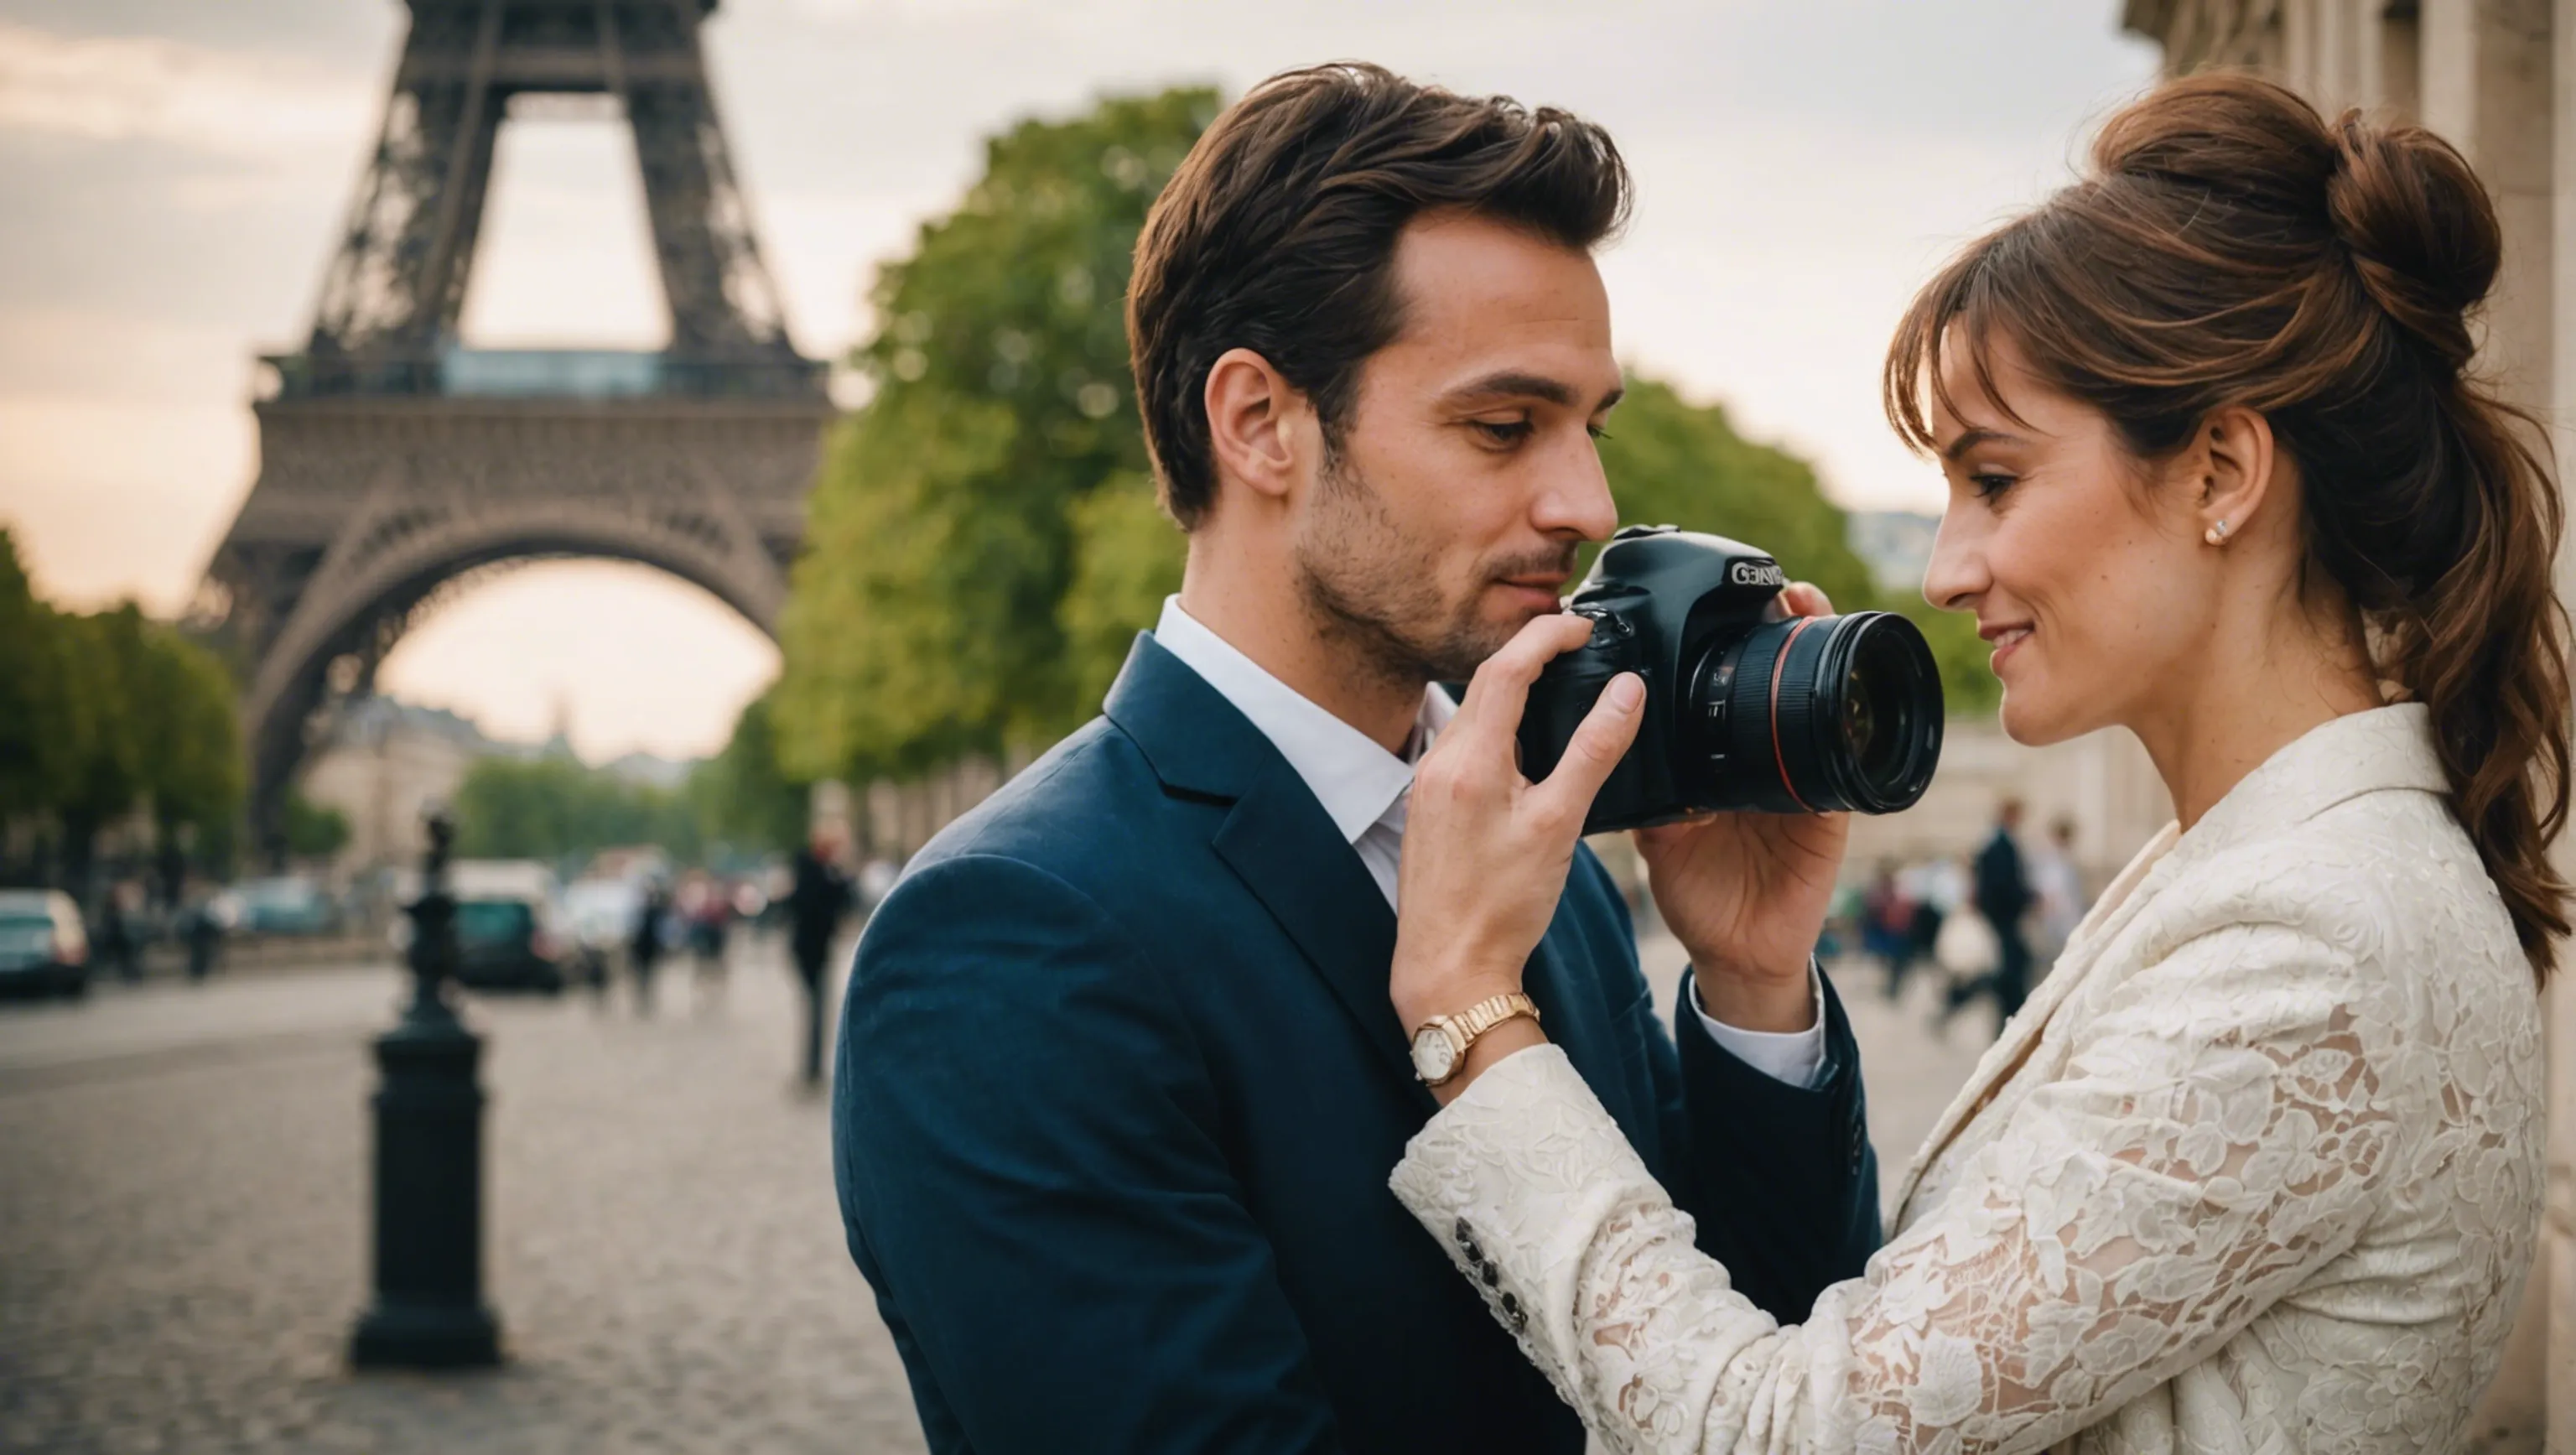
<point x="1355" y="780"/>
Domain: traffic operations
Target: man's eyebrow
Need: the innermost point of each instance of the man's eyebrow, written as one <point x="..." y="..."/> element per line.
<point x="1512" y="384"/>
<point x="1970" y="439"/>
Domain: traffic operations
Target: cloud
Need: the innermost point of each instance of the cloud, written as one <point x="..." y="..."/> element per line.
<point x="132" y="88"/>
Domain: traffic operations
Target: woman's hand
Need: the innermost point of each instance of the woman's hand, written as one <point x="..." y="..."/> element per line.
<point x="1746" y="894"/>
<point x="1486" y="850"/>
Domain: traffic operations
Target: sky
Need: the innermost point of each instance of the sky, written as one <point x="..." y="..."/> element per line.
<point x="173" y="173"/>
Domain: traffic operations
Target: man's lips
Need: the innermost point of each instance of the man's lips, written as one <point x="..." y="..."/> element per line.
<point x="1541" y="591"/>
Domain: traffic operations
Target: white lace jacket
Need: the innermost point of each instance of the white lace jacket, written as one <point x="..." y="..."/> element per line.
<point x="2257" y="1169"/>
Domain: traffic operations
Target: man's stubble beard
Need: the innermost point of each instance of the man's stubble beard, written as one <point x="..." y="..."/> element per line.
<point x="1374" y="592"/>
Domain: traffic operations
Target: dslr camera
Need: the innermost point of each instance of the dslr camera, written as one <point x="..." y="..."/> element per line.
<point x="1743" y="710"/>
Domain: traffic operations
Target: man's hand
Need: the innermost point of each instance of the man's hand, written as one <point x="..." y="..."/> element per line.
<point x="1485" y="850"/>
<point x="1746" y="894"/>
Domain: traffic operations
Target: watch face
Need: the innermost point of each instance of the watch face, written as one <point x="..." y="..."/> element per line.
<point x="1434" y="1054"/>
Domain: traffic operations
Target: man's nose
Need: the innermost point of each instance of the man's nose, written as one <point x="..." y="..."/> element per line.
<point x="1577" y="501"/>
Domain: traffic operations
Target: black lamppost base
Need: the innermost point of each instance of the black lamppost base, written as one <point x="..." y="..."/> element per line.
<point x="426" y="1336"/>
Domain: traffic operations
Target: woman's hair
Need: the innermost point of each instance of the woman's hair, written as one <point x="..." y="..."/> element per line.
<point x="2229" y="248"/>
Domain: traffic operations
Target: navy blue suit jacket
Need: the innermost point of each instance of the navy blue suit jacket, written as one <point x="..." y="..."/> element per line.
<point x="1119" y="1089"/>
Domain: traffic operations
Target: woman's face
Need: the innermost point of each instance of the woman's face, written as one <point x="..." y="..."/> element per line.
<point x="2085" y="568"/>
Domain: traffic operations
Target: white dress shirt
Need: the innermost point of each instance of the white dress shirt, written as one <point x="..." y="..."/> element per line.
<point x="1364" y="788"/>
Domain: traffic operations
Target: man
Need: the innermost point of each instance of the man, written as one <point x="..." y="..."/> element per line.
<point x="2002" y="897"/>
<point x="816" y="903"/>
<point x="1119" y="1085"/>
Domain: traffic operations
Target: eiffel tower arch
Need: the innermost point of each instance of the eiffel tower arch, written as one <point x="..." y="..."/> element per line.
<point x="394" y="461"/>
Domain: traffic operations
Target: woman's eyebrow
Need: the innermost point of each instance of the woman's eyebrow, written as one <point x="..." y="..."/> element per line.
<point x="1970" y="439"/>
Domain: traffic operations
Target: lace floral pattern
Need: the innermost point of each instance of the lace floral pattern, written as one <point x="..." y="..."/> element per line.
<point x="2257" y="1169"/>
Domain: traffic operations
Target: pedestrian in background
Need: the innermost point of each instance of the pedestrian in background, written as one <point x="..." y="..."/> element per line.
<point x="203" y="927"/>
<point x="822" y="895"/>
<point x="2003" y="898"/>
<point x="116" y="944"/>
<point x="1887" y="925"/>
<point x="644" y="950"/>
<point x="2059" y="886"/>
<point x="709" y="917"/>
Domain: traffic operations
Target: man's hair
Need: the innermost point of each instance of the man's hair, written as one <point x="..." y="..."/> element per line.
<point x="1278" y="235"/>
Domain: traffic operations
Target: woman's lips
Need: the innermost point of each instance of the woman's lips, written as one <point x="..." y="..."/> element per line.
<point x="2005" y="641"/>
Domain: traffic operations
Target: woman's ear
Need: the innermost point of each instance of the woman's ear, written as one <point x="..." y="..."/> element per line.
<point x="1253" y="415"/>
<point x="2235" y="458"/>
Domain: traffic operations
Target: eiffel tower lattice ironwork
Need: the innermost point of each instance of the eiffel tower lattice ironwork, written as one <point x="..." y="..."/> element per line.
<point x="394" y="460"/>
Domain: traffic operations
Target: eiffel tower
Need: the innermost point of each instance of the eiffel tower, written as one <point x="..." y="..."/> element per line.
<point x="395" y="461"/>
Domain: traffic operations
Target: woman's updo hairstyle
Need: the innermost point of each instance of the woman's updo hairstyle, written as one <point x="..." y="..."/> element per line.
<point x="2229" y="248"/>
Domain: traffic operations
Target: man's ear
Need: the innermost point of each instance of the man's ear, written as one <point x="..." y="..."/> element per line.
<point x="1253" y="417"/>
<point x="2234" y="457"/>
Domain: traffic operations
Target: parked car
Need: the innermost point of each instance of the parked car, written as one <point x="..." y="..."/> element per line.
<point x="43" y="947"/>
<point x="284" y="906"/>
<point x="507" y="931"/>
<point x="600" y="916"/>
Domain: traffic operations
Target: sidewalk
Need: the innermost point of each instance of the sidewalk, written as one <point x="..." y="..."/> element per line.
<point x="184" y="1222"/>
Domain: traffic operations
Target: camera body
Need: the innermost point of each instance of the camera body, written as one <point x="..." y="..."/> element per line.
<point x="1745" y="708"/>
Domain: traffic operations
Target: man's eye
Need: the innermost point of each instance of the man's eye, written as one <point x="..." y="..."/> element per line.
<point x="1504" y="432"/>
<point x="1596" y="431"/>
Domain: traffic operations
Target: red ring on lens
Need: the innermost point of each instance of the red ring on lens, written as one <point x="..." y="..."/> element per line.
<point x="1778" y="665"/>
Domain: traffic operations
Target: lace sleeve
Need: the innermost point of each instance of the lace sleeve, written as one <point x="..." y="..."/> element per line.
<point x="2216" y="1135"/>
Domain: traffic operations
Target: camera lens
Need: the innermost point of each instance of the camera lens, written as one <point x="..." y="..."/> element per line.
<point x="1824" y="715"/>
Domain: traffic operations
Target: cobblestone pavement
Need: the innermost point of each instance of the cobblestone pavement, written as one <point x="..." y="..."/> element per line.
<point x="183" y="1215"/>
<point x="183" y="1220"/>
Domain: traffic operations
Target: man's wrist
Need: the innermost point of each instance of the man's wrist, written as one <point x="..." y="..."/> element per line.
<point x="1757" y="1001"/>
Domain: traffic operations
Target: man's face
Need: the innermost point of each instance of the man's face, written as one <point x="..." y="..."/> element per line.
<point x="1466" y="474"/>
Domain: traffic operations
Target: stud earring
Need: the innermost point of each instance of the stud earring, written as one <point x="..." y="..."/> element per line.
<point x="2216" y="535"/>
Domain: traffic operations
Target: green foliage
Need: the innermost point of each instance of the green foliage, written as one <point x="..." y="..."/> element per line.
<point x="1127" y="558"/>
<point x="983" y="541"/>
<point x="742" y="796"/>
<point x="44" y="722"/>
<point x="557" y="808"/>
<point x="1968" y="685"/>
<point x="314" y="831"/>
<point x="1678" y="463"/>
<point x="190" y="735"/>
<point x="1673" y="461"/>
<point x="934" y="604"/>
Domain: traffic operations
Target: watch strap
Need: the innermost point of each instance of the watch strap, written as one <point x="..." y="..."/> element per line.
<point x="1468" y="1025"/>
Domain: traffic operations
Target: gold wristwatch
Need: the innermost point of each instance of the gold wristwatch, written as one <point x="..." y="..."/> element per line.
<point x="1440" y="1046"/>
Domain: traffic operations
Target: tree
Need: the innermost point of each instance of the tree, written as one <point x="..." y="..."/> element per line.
<point x="557" y="808"/>
<point x="928" y="619"/>
<point x="1671" y="462"/>
<point x="314" y="830"/>
<point x="109" y="778"/>
<point x="983" y="541"/>
<point x="742" y="796"/>
<point x="43" y="722"/>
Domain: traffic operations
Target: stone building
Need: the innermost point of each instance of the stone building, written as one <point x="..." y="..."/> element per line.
<point x="2498" y="79"/>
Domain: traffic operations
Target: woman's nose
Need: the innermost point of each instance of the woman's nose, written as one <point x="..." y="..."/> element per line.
<point x="1956" y="574"/>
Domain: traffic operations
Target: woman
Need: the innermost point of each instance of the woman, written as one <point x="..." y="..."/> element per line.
<point x="2259" y="1166"/>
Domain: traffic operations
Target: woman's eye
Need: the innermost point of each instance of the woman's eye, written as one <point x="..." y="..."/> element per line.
<point x="1505" y="431"/>
<point x="1988" y="485"/>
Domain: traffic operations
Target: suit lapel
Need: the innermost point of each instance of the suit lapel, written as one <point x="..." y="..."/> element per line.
<point x="1277" y="838"/>
<point x="2119" y="904"/>
<point x="1285" y="849"/>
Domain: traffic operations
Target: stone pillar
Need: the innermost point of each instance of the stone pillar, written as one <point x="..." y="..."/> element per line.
<point x="2487" y="85"/>
<point x="2559" y="1227"/>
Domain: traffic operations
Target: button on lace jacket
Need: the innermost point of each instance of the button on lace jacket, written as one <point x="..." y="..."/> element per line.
<point x="2258" y="1168"/>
